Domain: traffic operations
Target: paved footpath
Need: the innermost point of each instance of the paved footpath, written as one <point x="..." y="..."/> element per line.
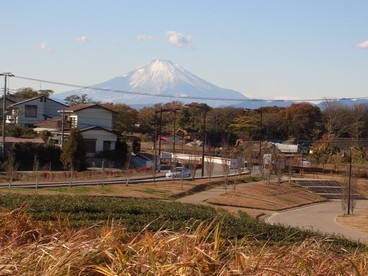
<point x="321" y="217"/>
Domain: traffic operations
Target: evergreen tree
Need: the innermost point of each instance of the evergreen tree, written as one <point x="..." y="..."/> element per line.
<point x="136" y="147"/>
<point x="73" y="155"/>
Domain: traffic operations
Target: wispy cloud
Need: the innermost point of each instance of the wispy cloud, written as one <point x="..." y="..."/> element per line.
<point x="363" y="44"/>
<point x="143" y="37"/>
<point x="44" y="47"/>
<point x="82" y="39"/>
<point x="178" y="39"/>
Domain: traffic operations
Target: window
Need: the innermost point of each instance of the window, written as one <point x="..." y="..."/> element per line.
<point x="30" y="111"/>
<point x="106" y="145"/>
<point x="90" y="146"/>
<point x="73" y="122"/>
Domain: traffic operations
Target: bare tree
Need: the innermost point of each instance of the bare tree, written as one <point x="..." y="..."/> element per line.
<point x="192" y="163"/>
<point x="335" y="115"/>
<point x="36" y="165"/>
<point x="11" y="166"/>
<point x="357" y="123"/>
<point x="348" y="199"/>
<point x="348" y="189"/>
<point x="210" y="165"/>
<point x="278" y="165"/>
<point x="226" y="166"/>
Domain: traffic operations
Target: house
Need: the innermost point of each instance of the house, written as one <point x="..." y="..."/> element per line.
<point x="28" y="112"/>
<point x="287" y="148"/>
<point x="95" y="123"/>
<point x="87" y="115"/>
<point x="9" y="141"/>
<point x="9" y="100"/>
<point x="97" y="139"/>
<point x="52" y="125"/>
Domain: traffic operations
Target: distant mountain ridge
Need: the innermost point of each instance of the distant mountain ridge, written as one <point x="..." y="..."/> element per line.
<point x="162" y="81"/>
<point x="159" y="81"/>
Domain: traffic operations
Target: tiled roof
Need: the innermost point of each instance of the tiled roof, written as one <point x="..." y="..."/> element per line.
<point x="35" y="98"/>
<point x="24" y="140"/>
<point x="96" y="128"/>
<point x="79" y="107"/>
<point x="49" y="123"/>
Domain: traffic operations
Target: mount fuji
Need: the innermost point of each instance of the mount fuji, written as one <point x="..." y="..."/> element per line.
<point x="159" y="81"/>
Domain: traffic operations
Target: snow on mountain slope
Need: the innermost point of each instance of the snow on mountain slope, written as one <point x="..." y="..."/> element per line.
<point x="158" y="81"/>
<point x="162" y="75"/>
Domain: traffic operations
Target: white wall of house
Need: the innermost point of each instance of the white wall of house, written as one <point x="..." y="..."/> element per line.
<point x="94" y="116"/>
<point x="100" y="135"/>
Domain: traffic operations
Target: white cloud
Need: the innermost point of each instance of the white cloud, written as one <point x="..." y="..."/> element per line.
<point x="143" y="37"/>
<point x="82" y="39"/>
<point x="44" y="47"/>
<point x="363" y="44"/>
<point x="178" y="39"/>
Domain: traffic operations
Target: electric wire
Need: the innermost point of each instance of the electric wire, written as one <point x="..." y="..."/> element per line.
<point x="184" y="97"/>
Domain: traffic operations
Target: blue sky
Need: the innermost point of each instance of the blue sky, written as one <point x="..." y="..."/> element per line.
<point x="275" y="49"/>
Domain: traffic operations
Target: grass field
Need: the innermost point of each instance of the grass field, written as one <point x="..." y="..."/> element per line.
<point x="84" y="235"/>
<point x="138" y="230"/>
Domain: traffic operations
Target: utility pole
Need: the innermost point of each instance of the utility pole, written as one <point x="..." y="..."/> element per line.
<point x="62" y="128"/>
<point x="154" y="144"/>
<point x="204" y="138"/>
<point x="349" y="183"/>
<point x="174" y="138"/>
<point x="159" y="141"/>
<point x="260" y="138"/>
<point x="160" y="132"/>
<point x="6" y="75"/>
<point x="204" y="133"/>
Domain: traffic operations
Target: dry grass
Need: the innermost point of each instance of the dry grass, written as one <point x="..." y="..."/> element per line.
<point x="32" y="248"/>
<point x="266" y="197"/>
<point x="255" y="199"/>
<point x="357" y="222"/>
<point x="158" y="190"/>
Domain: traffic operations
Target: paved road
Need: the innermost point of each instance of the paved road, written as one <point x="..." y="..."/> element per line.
<point x="321" y="217"/>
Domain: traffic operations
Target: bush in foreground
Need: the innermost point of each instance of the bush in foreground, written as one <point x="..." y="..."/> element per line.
<point x="154" y="215"/>
<point x="38" y="248"/>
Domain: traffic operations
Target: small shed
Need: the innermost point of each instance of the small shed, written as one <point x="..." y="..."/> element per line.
<point x="287" y="148"/>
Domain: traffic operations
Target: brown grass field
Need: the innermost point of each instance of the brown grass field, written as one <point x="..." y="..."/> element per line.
<point x="255" y="199"/>
<point x="28" y="247"/>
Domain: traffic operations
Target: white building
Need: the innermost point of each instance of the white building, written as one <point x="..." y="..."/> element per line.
<point x="95" y="123"/>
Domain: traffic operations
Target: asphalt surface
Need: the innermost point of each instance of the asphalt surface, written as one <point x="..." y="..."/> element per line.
<point x="321" y="217"/>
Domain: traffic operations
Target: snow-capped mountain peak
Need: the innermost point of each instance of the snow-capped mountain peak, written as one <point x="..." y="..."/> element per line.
<point x="160" y="75"/>
<point x="157" y="81"/>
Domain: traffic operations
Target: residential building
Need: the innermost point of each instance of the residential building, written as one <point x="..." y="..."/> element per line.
<point x="28" y="112"/>
<point x="95" y="123"/>
<point x="9" y="100"/>
<point x="87" y="115"/>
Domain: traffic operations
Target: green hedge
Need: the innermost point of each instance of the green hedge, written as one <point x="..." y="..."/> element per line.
<point x="136" y="214"/>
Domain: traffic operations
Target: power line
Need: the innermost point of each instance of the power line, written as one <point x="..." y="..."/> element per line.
<point x="184" y="97"/>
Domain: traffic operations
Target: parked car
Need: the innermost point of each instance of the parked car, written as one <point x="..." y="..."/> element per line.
<point x="304" y="162"/>
<point x="178" y="172"/>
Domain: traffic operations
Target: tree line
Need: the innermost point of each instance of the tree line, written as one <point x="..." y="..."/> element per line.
<point x="297" y="123"/>
<point x="223" y="125"/>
